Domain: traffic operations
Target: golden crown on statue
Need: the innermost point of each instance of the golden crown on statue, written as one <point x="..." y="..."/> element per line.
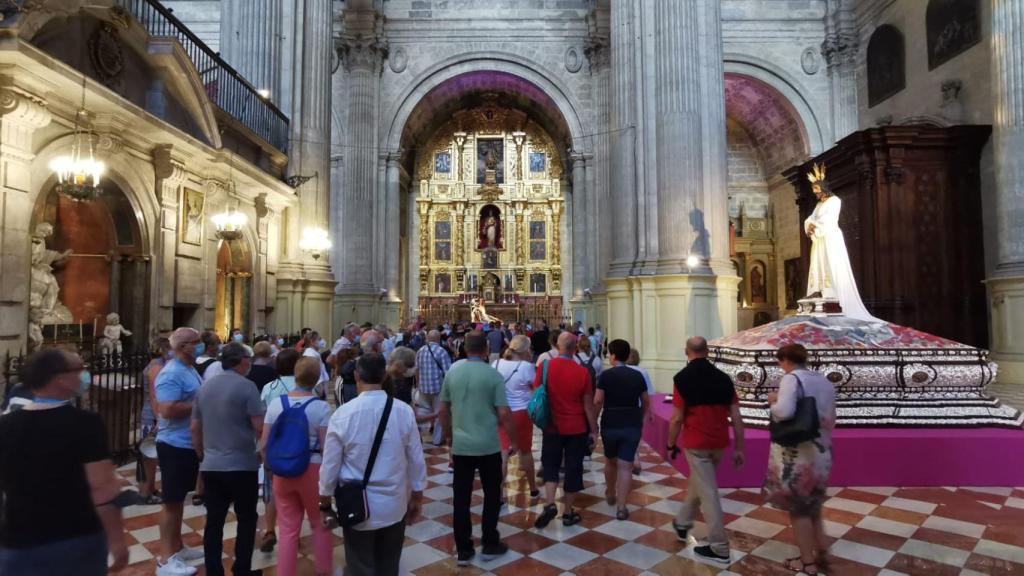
<point x="817" y="174"/>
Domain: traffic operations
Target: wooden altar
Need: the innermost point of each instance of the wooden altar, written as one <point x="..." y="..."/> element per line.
<point x="912" y="222"/>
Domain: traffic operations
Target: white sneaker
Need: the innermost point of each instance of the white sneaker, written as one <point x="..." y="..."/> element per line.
<point x="175" y="567"/>
<point x="188" y="554"/>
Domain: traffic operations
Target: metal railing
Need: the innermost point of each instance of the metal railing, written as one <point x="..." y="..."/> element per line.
<point x="225" y="87"/>
<point x="116" y="394"/>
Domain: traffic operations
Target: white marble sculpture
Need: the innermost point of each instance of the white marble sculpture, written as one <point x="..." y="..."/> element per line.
<point x="35" y="329"/>
<point x="830" y="276"/>
<point x="45" y="292"/>
<point x="112" y="334"/>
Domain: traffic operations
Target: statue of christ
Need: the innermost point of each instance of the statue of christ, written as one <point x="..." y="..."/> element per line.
<point x="830" y="275"/>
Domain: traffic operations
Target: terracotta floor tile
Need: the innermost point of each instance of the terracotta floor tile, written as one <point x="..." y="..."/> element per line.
<point x="445" y="543"/>
<point x="898" y="515"/>
<point x="649" y="517"/>
<point x="841" y="516"/>
<point x="993" y="566"/>
<point x="525" y="542"/>
<point x="639" y="499"/>
<point x="945" y="538"/>
<point x="1006" y="534"/>
<point x="872" y="538"/>
<point x="447" y="567"/>
<point x="743" y="541"/>
<point x="761" y="566"/>
<point x="661" y="540"/>
<point x="144" y="521"/>
<point x="678" y="566"/>
<point x="748" y="497"/>
<point x="597" y="542"/>
<point x="770" y="515"/>
<point x="854" y="494"/>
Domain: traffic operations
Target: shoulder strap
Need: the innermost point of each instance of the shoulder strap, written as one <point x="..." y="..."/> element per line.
<point x="285" y="404"/>
<point x="544" y="375"/>
<point x="509" y="377"/>
<point x="377" y="440"/>
<point x="799" y="385"/>
<point x="430" y="351"/>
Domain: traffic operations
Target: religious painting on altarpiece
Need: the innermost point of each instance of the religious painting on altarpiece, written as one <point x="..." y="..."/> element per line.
<point x="192" y="217"/>
<point x="538" y="162"/>
<point x="443" y="162"/>
<point x="442" y="283"/>
<point x="443" y="251"/>
<point x="538" y="283"/>
<point x="537" y="230"/>
<point x="490" y="152"/>
<point x="443" y="230"/>
<point x="953" y="27"/>
<point x="489" y="259"/>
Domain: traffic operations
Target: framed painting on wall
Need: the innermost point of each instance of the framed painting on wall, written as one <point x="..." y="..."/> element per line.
<point x="538" y="161"/>
<point x="192" y="209"/>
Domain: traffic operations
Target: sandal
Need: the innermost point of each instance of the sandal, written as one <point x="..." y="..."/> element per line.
<point x="610" y="499"/>
<point x="572" y="518"/>
<point x="151" y="500"/>
<point x="268" y="542"/>
<point x="622" y="514"/>
<point x="797" y="565"/>
<point x="534" y="494"/>
<point x="198" y="500"/>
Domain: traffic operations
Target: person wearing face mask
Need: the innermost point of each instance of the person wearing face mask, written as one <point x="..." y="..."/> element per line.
<point x="227" y="420"/>
<point x="59" y="491"/>
<point x="176" y="388"/>
<point x="160" y="354"/>
<point x="262" y="372"/>
<point x="207" y="364"/>
<point x="237" y="336"/>
<point x="313" y="345"/>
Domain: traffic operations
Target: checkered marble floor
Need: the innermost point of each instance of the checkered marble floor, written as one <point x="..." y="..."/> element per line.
<point x="884" y="531"/>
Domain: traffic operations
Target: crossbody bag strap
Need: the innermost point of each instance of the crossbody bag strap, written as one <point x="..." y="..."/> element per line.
<point x="436" y="361"/>
<point x="377" y="440"/>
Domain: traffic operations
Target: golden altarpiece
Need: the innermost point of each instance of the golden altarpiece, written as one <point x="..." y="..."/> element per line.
<point x="490" y="213"/>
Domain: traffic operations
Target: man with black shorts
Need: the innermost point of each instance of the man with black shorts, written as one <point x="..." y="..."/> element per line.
<point x="176" y="387"/>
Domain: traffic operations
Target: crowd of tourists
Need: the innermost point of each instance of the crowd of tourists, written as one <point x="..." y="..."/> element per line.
<point x="333" y="433"/>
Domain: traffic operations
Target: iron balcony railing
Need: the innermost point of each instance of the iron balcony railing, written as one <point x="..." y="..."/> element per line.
<point x="225" y="87"/>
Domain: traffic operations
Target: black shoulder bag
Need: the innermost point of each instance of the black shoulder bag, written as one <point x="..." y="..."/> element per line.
<point x="350" y="497"/>
<point x="803" y="426"/>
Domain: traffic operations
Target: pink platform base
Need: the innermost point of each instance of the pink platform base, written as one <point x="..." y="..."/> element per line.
<point x="880" y="456"/>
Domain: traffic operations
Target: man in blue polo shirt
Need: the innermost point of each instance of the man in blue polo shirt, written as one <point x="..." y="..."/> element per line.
<point x="176" y="387"/>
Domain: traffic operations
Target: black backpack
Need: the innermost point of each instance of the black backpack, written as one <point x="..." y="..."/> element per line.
<point x="201" y="367"/>
<point x="589" y="365"/>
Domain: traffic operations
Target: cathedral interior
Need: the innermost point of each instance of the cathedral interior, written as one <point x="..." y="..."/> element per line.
<point x="639" y="166"/>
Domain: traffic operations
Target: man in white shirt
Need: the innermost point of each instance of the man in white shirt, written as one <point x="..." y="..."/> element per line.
<point x="395" y="491"/>
<point x="347" y="340"/>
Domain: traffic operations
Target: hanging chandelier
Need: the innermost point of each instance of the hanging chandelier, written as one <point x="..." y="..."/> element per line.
<point x="228" y="225"/>
<point x="79" y="173"/>
<point x="315" y="242"/>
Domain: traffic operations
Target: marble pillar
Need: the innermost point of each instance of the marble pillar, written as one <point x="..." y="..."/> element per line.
<point x="578" y="206"/>
<point x="21" y="114"/>
<point x="840" y="52"/>
<point x="392" y="302"/>
<point x="1006" y="288"/>
<point x="170" y="174"/>
<point x="250" y="41"/>
<point x="623" y="137"/>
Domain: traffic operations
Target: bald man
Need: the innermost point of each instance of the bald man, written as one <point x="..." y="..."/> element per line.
<point x="572" y="428"/>
<point x="704" y="403"/>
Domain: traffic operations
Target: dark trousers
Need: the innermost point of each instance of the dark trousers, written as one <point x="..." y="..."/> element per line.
<point x="462" y="486"/>
<point x="223" y="489"/>
<point x="374" y="552"/>
<point x="84" y="555"/>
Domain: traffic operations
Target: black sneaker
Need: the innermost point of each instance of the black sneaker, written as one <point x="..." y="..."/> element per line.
<point x="545" y="518"/>
<point x="465" y="556"/>
<point x="492" y="551"/>
<point x="707" y="552"/>
<point x="680" y="532"/>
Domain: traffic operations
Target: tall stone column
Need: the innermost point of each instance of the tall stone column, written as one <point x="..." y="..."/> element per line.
<point x="1006" y="288"/>
<point x="840" y="52"/>
<point x="363" y="56"/>
<point x="578" y="206"/>
<point x="623" y="138"/>
<point x="170" y="174"/>
<point x="21" y="114"/>
<point x="392" y="231"/>
<point x="250" y="41"/>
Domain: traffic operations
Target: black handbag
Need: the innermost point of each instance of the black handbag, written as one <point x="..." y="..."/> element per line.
<point x="350" y="497"/>
<point x="803" y="426"/>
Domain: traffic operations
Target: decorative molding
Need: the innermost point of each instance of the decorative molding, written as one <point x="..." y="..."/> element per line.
<point x="809" y="61"/>
<point x="362" y="53"/>
<point x="839" y="48"/>
<point x="168" y="169"/>
<point x="398" y="59"/>
<point x="573" y="59"/>
<point x="20" y="107"/>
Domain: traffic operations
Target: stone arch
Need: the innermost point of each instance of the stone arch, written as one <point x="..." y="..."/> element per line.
<point x="460" y="64"/>
<point x="789" y="91"/>
<point x="135" y="178"/>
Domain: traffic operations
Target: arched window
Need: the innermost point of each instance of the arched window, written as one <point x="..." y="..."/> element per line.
<point x="953" y="26"/>
<point x="886" y="67"/>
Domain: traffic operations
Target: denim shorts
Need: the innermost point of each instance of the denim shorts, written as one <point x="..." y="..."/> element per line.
<point x="620" y="443"/>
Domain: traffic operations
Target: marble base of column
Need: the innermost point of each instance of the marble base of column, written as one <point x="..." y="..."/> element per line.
<point x="305" y="298"/>
<point x="1006" y="298"/>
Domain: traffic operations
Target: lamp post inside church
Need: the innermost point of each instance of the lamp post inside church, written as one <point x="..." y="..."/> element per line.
<point x="315" y="242"/>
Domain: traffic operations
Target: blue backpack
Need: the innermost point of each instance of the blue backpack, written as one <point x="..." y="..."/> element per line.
<point x="538" y="409"/>
<point x="288" y="445"/>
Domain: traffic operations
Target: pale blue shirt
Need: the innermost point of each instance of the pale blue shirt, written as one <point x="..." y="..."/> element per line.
<point x="177" y="382"/>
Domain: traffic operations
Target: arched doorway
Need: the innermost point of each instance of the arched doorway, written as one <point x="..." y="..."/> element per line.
<point x="765" y="135"/>
<point x="104" y="268"/>
<point x="234" y="288"/>
<point x="489" y="207"/>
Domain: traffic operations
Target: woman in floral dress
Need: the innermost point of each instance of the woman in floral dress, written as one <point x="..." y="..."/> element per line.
<point x="798" y="475"/>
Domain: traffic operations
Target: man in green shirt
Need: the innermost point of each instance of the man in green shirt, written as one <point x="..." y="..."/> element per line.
<point x="473" y="402"/>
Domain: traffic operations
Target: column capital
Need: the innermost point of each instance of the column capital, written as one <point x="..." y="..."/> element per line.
<point x="167" y="168"/>
<point x="358" y="52"/>
<point x="17" y="105"/>
<point x="839" y="48"/>
<point x="597" y="49"/>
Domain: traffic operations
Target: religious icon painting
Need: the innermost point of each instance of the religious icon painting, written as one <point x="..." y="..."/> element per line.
<point x="537" y="231"/>
<point x="192" y="217"/>
<point x="490" y="155"/>
<point x="442" y="230"/>
<point x="489" y="259"/>
<point x="538" y="250"/>
<point x="443" y="251"/>
<point x="442" y="283"/>
<point x="443" y="163"/>
<point x="538" y="283"/>
<point x="538" y="161"/>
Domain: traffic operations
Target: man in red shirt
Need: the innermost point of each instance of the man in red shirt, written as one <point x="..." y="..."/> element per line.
<point x="704" y="403"/>
<point x="572" y="429"/>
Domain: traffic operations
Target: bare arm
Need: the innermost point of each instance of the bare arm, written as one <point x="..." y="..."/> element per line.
<point x="257" y="426"/>
<point x="446" y="420"/>
<point x="197" y="436"/>
<point x="588" y="407"/>
<point x="151" y="378"/>
<point x="598" y="400"/>
<point x="266" y="436"/>
<point x="645" y="401"/>
<point x="104" y="487"/>
<point x="675" y="426"/>
<point x="175" y="410"/>
<point x="737" y="430"/>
